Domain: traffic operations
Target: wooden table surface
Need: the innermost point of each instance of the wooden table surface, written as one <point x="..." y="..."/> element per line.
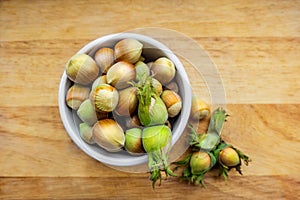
<point x="254" y="44"/>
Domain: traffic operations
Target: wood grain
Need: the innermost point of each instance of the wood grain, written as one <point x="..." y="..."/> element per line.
<point x="254" y="44"/>
<point x="245" y="187"/>
<point x="272" y="18"/>
<point x="247" y="67"/>
<point x="25" y="148"/>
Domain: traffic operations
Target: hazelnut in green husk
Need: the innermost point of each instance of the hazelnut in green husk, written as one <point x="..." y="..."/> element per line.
<point x="82" y="69"/>
<point x="229" y="157"/>
<point x="200" y="161"/>
<point x="120" y="74"/>
<point x="163" y="69"/>
<point x="129" y="50"/>
<point x="86" y="112"/>
<point x="76" y="95"/>
<point x="133" y="141"/>
<point x="209" y="150"/>
<point x="196" y="164"/>
<point x="157" y="142"/>
<point x="109" y="135"/>
<point x="86" y="133"/>
<point x="127" y="101"/>
<point x="151" y="108"/>
<point x="104" y="57"/>
<point x="105" y="98"/>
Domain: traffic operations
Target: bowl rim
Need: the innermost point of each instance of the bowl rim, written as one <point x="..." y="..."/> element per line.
<point x="135" y="160"/>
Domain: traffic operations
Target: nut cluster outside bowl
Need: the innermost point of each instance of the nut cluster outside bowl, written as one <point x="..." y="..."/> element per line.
<point x="152" y="49"/>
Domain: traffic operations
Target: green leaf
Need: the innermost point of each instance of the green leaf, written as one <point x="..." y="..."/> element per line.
<point x="187" y="172"/>
<point x="194" y="136"/>
<point x="210" y="142"/>
<point x="223" y="172"/>
<point x="243" y="156"/>
<point x="238" y="168"/>
<point x="219" y="148"/>
<point x="183" y="162"/>
<point x="170" y="172"/>
<point x="199" y="180"/>
<point x="216" y="121"/>
<point x="213" y="159"/>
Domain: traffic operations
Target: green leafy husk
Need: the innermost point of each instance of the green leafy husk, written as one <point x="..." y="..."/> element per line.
<point x="212" y="144"/>
<point x="156" y="137"/>
<point x="208" y="141"/>
<point x="157" y="142"/>
<point x="223" y="169"/>
<point x="203" y="142"/>
<point x="151" y="109"/>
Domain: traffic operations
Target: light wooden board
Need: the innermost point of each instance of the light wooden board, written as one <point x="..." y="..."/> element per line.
<point x="23" y="21"/>
<point x="253" y="70"/>
<point x="249" y="187"/>
<point x="255" y="46"/>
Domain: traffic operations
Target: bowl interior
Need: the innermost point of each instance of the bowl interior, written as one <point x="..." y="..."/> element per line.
<point x="152" y="49"/>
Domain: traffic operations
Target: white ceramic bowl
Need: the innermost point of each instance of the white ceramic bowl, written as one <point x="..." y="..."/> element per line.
<point x="152" y="49"/>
